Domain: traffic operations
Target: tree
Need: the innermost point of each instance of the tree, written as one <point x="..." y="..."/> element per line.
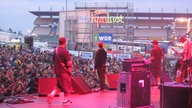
<point x="10" y="30"/>
<point x="20" y="33"/>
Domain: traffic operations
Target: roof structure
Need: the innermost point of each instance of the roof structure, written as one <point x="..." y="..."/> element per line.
<point x="45" y="13"/>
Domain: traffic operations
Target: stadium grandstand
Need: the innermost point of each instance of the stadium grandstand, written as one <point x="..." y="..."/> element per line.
<point x="89" y="23"/>
<point x="46" y="27"/>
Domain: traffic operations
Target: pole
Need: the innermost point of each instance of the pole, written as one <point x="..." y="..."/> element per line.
<point x="66" y="35"/>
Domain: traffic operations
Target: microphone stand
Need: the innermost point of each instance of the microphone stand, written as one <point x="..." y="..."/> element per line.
<point x="190" y="98"/>
<point x="162" y="87"/>
<point x="188" y="67"/>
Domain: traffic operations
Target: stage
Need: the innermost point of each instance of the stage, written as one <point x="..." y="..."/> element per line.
<point x="101" y="99"/>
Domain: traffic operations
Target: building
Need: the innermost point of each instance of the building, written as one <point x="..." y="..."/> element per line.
<point x="89" y="23"/>
<point x="6" y="37"/>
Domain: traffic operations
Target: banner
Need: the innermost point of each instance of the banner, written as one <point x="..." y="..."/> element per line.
<point x="123" y="56"/>
<point x="109" y="55"/>
<point x="75" y="53"/>
<point x="86" y="55"/>
<point x="106" y="38"/>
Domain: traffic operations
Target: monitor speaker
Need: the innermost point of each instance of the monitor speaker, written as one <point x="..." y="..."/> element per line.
<point x="79" y="85"/>
<point x="112" y="80"/>
<point x="46" y="85"/>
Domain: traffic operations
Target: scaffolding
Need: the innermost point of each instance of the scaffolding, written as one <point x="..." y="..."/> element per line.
<point x="84" y="32"/>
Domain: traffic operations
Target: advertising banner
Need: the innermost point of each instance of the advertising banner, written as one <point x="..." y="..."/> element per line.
<point x="86" y="55"/>
<point x="106" y="38"/>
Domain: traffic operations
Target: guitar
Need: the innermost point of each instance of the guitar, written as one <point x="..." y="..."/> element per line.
<point x="142" y="58"/>
<point x="178" y="53"/>
<point x="138" y="56"/>
<point x="178" y="77"/>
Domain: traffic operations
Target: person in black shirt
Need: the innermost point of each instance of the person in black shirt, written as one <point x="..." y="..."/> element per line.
<point x="100" y="67"/>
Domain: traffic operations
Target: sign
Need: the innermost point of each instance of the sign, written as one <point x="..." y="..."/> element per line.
<point x="86" y="55"/>
<point x="75" y="53"/>
<point x="109" y="55"/>
<point x="96" y="38"/>
<point x="46" y="49"/>
<point x="123" y="56"/>
<point x="106" y="38"/>
<point x="96" y="18"/>
<point x="99" y="17"/>
<point x="40" y="44"/>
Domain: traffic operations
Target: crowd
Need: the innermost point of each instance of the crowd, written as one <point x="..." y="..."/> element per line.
<point x="21" y="68"/>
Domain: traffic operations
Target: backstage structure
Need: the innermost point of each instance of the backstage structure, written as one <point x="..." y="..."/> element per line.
<point x="114" y="24"/>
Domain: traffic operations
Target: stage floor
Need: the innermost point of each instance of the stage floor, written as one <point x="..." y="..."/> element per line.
<point x="101" y="99"/>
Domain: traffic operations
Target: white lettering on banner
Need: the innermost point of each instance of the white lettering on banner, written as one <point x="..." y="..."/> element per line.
<point x="109" y="55"/>
<point x="75" y="53"/>
<point x="87" y="55"/>
<point x="123" y="56"/>
<point x="105" y="38"/>
<point x="40" y="44"/>
<point x="43" y="49"/>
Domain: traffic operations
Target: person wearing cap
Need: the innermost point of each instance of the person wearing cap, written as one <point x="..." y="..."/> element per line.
<point x="156" y="58"/>
<point x="186" y="55"/>
<point x="100" y="67"/>
<point x="63" y="70"/>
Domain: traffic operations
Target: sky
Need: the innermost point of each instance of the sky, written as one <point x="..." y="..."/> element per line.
<point x="15" y="14"/>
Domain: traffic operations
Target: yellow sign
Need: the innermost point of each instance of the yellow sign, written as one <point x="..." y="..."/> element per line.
<point x="100" y="16"/>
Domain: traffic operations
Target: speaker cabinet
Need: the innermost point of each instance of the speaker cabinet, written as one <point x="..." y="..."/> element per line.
<point x="46" y="85"/>
<point x="2" y="97"/>
<point x="28" y="40"/>
<point x="79" y="85"/>
<point x="112" y="80"/>
<point x="134" y="65"/>
<point x="133" y="89"/>
<point x="175" y="95"/>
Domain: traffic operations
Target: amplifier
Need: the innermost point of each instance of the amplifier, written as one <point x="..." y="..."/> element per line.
<point x="135" y="65"/>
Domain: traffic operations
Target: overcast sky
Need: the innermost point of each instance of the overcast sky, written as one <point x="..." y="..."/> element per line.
<point x="15" y="14"/>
